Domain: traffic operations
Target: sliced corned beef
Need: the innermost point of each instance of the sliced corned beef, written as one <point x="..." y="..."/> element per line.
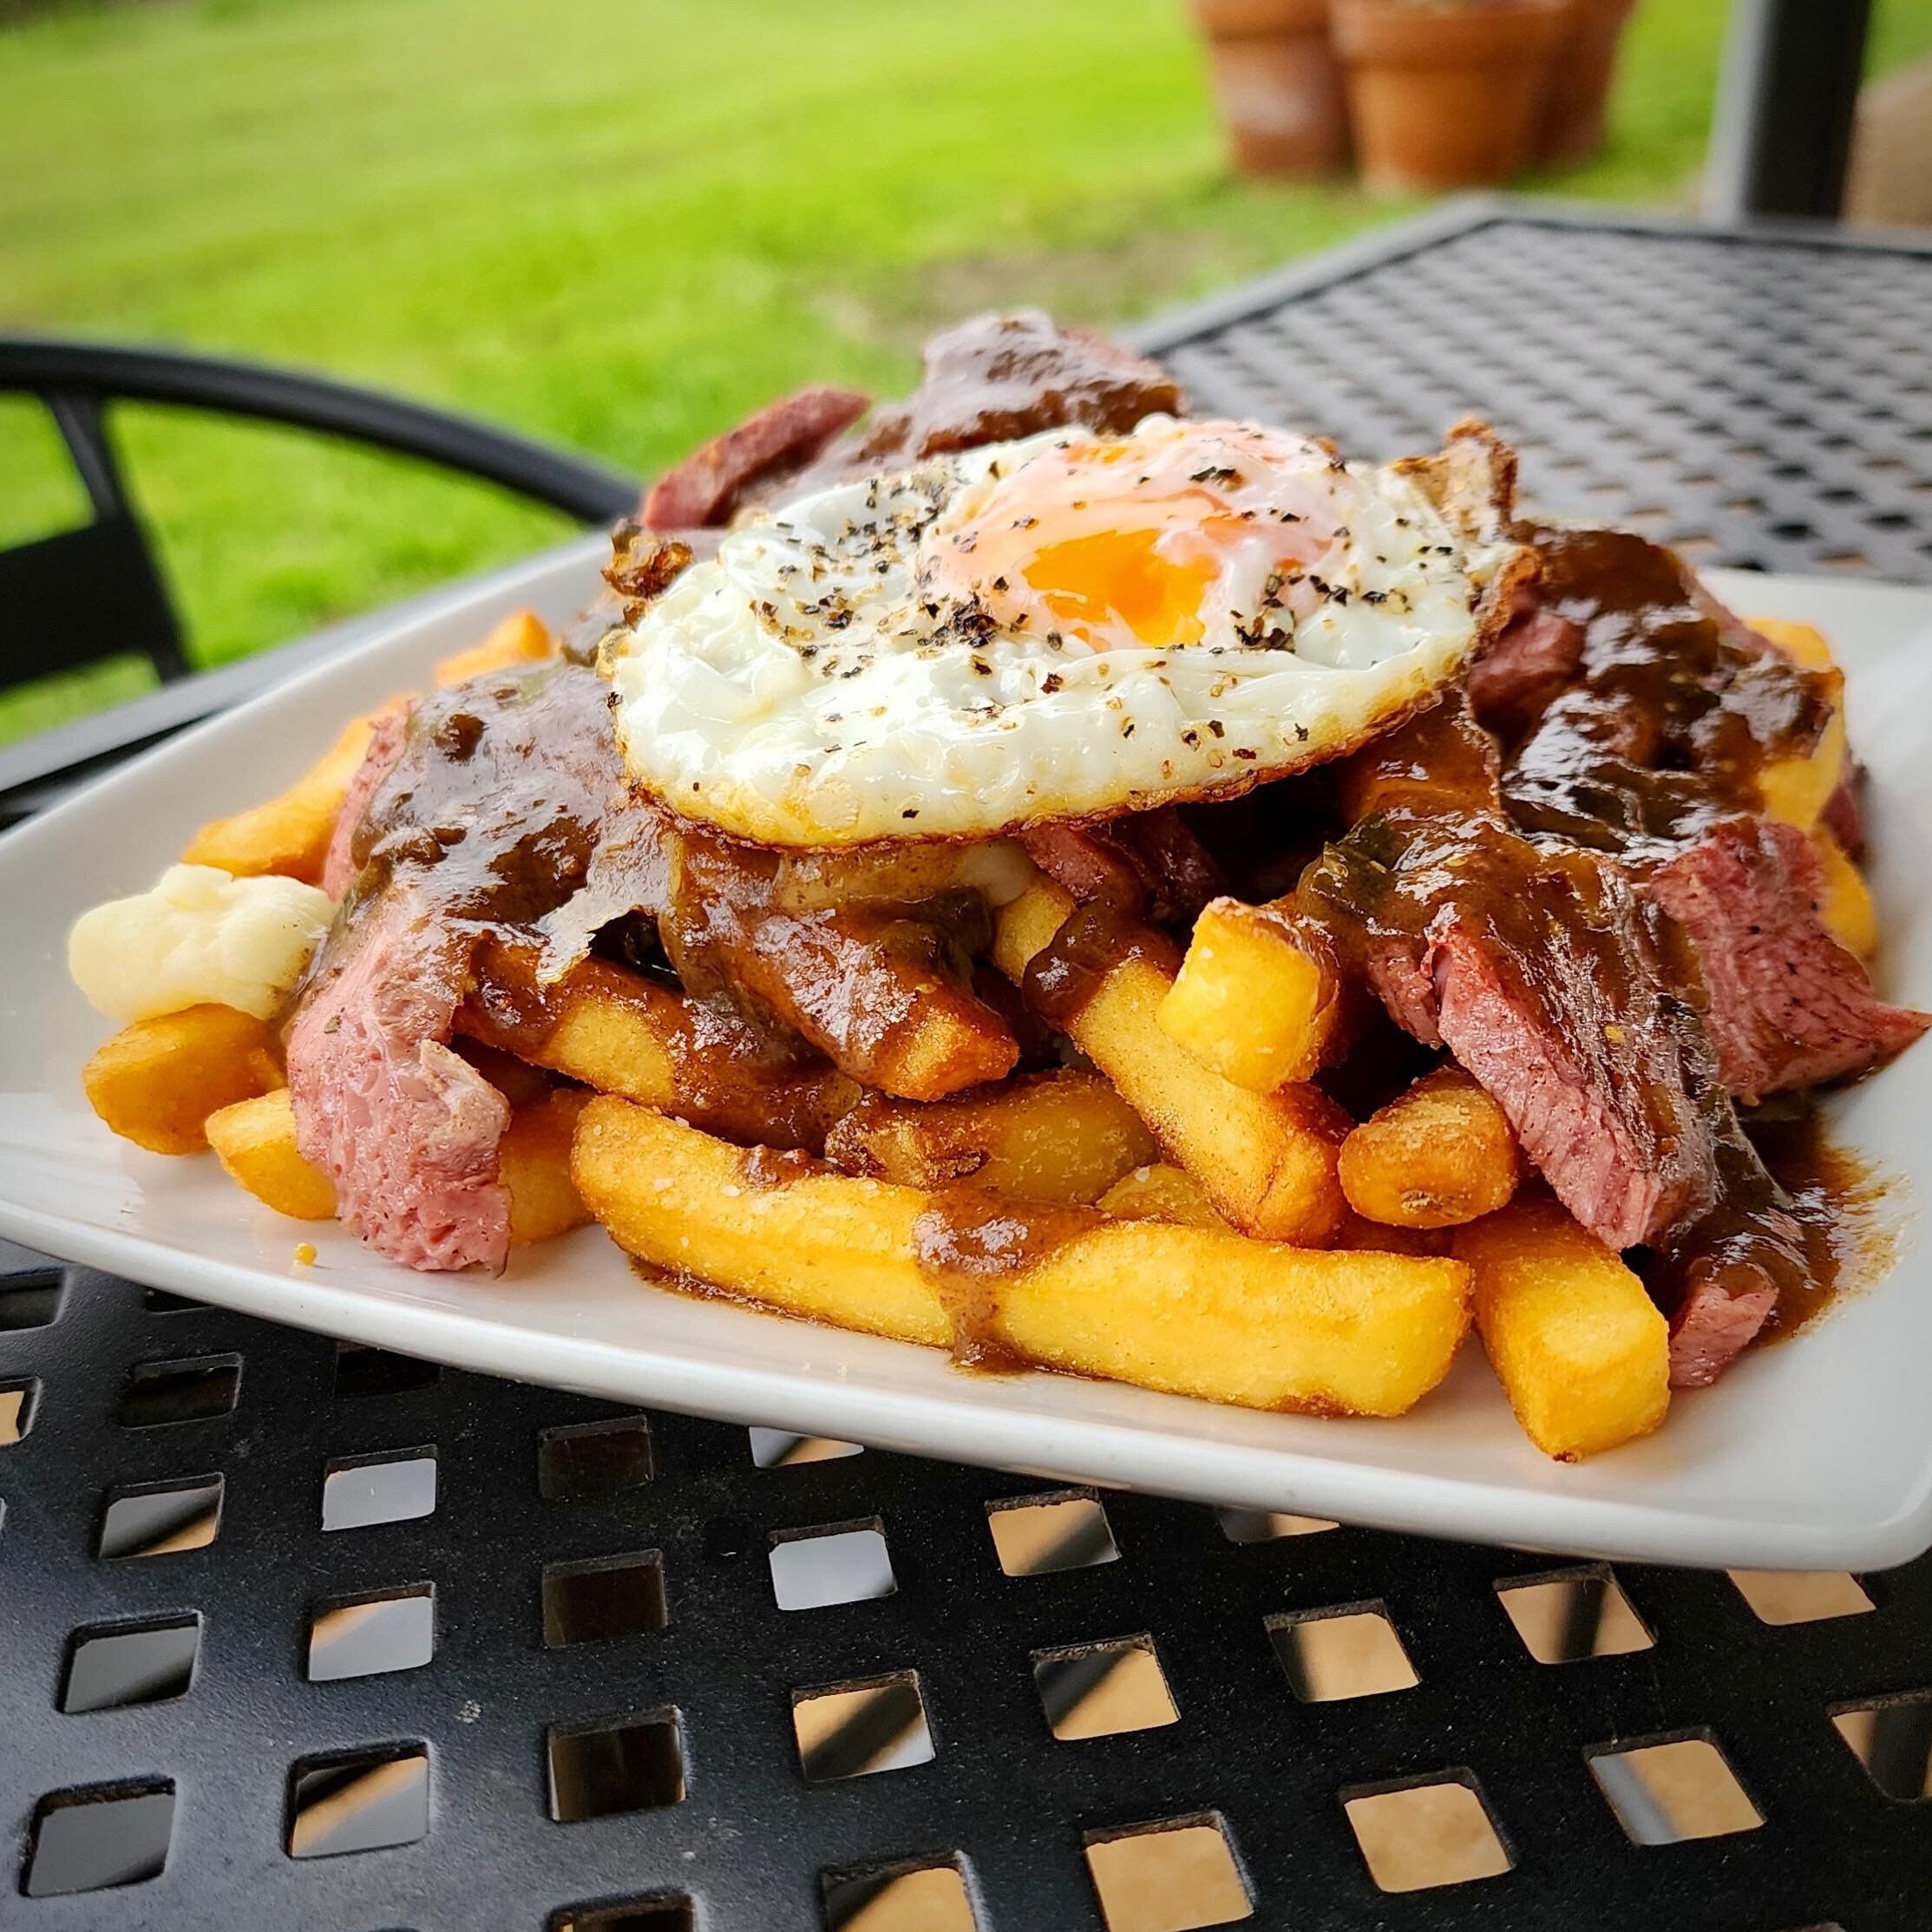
<point x="1593" y="1083"/>
<point x="1787" y="1004"/>
<point x="1713" y="1328"/>
<point x="775" y="442"/>
<point x="385" y="747"/>
<point x="1529" y="663"/>
<point x="406" y="1129"/>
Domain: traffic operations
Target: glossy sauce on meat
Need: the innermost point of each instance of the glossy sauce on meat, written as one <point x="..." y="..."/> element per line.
<point x="1676" y="711"/>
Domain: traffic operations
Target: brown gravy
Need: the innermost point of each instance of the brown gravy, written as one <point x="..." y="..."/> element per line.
<point x="1835" y="1196"/>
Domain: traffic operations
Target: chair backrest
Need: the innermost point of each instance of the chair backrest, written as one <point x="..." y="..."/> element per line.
<point x="83" y="595"/>
<point x="95" y="592"/>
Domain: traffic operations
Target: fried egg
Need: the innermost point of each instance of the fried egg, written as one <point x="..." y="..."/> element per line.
<point x="1068" y="626"/>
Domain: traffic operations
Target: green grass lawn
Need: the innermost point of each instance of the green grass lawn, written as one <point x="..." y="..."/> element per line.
<point x="612" y="223"/>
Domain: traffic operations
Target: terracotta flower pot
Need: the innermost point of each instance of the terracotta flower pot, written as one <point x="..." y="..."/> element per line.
<point x="1449" y="94"/>
<point x="1580" y="79"/>
<point x="1278" y="84"/>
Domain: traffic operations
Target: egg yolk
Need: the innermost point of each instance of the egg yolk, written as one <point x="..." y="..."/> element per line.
<point x="1146" y="540"/>
<point x="1089" y="582"/>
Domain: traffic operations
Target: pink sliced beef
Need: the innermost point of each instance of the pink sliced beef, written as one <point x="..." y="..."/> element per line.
<point x="405" y="1128"/>
<point x="776" y="442"/>
<point x="1788" y="1005"/>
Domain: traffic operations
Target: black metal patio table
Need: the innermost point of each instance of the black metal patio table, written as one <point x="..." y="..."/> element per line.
<point x="307" y="1636"/>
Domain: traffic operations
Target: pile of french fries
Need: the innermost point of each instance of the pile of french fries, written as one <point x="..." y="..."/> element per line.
<point x="1198" y="1215"/>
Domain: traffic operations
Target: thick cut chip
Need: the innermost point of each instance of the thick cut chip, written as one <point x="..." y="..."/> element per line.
<point x="522" y="637"/>
<point x="1265" y="1159"/>
<point x="290" y="834"/>
<point x="1581" y="1349"/>
<point x="1257" y="998"/>
<point x="156" y="1082"/>
<point x="1062" y="1135"/>
<point x="1847" y="909"/>
<point x="255" y="1140"/>
<point x="1193" y="1311"/>
<point x="1436" y="1156"/>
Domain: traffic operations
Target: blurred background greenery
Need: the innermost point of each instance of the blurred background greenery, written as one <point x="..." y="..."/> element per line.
<point x="612" y="223"/>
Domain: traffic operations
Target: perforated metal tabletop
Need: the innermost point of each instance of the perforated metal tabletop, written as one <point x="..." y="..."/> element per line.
<point x="297" y="1636"/>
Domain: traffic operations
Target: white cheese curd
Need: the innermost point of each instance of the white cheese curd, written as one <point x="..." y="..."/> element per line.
<point x="198" y="936"/>
<point x="1071" y="624"/>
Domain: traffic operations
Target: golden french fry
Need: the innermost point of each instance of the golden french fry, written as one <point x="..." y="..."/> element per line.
<point x="1803" y="644"/>
<point x="156" y="1082"/>
<point x="624" y="1034"/>
<point x="521" y="638"/>
<point x="1061" y="1135"/>
<point x="1256" y="999"/>
<point x="1265" y="1159"/>
<point x="1191" y="1310"/>
<point x="1797" y="789"/>
<point x="290" y="834"/>
<point x="255" y="1140"/>
<point x="1440" y="1154"/>
<point x="1160" y="1192"/>
<point x="1582" y="1351"/>
<point x="533" y="1163"/>
<point x="1847" y="909"/>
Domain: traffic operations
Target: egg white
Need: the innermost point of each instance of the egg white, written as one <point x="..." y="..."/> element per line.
<point x="803" y="688"/>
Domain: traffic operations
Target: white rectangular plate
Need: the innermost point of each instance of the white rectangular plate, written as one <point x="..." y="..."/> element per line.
<point x="1814" y="1454"/>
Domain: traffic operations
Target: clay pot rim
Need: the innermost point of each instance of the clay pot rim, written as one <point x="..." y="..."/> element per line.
<point x="1465" y="33"/>
<point x="1246" y="20"/>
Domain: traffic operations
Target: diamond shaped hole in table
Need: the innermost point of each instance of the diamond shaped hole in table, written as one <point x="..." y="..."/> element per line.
<point x="112" y="1666"/>
<point x="587" y="1460"/>
<point x="604" y="1598"/>
<point x="195" y="1389"/>
<point x="1172" y="1876"/>
<point x="628" y="1915"/>
<point x="31" y="1300"/>
<point x="159" y="1301"/>
<point x="369" y="1800"/>
<point x="856" y="1730"/>
<point x="90" y="1841"/>
<point x="779" y="1449"/>
<point x="1259" y="1526"/>
<point x="372" y="1635"/>
<point x="161" y="1519"/>
<point x="633" y="1764"/>
<point x="1669" y="1789"/>
<point x="1034" y="1535"/>
<point x="1350" y="1651"/>
<point x="900" y="1898"/>
<point x="1572" y="1616"/>
<point x="358" y="1492"/>
<point x="1800" y="1596"/>
<point x="812" y="1569"/>
<point x="1433" y="1832"/>
<point x="1099" y="1690"/>
<point x="1892" y="1738"/>
<point x="17" y="1410"/>
<point x="363" y="1372"/>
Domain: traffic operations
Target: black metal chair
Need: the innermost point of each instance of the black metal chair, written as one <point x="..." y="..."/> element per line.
<point x="84" y="595"/>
